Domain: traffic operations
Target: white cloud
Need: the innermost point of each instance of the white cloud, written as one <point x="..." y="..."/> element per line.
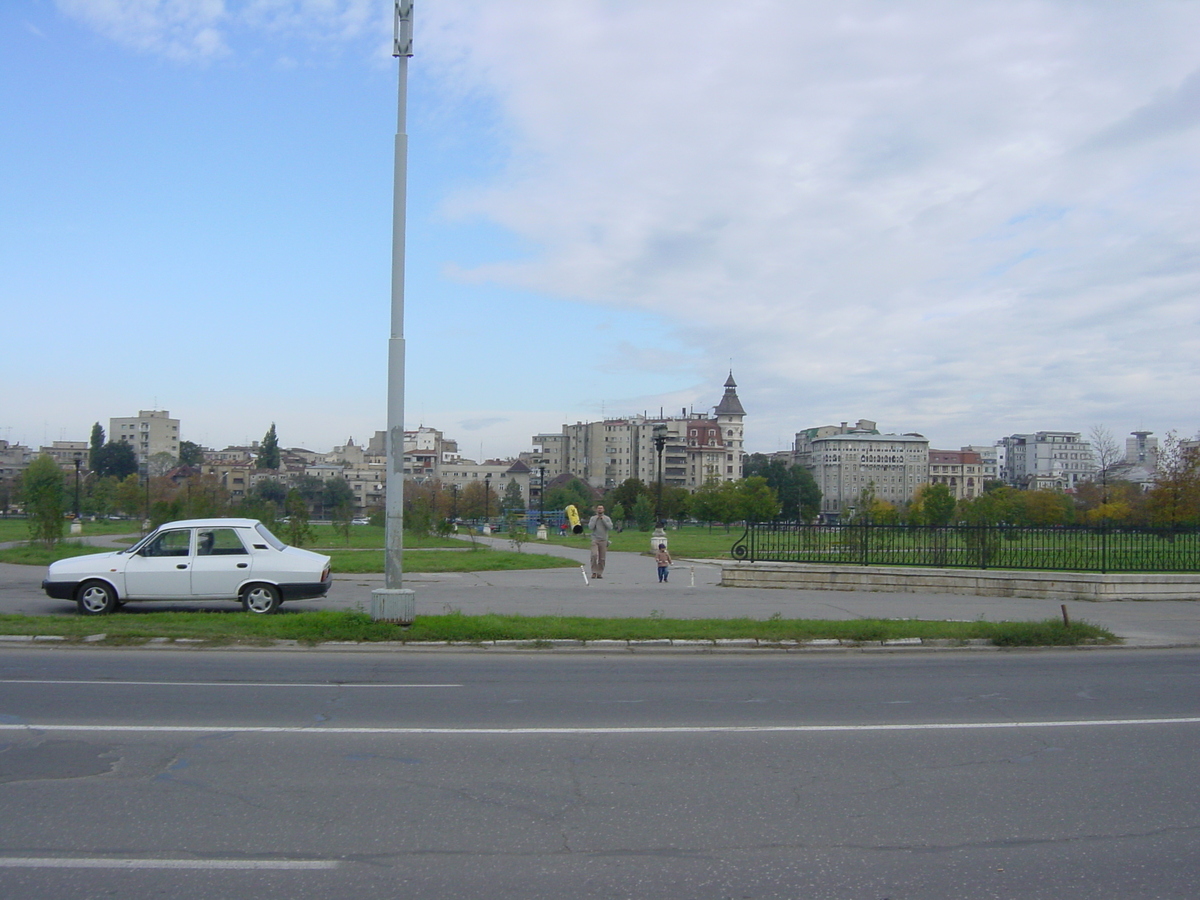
<point x="955" y="215"/>
<point x="183" y="30"/>
<point x="190" y="31"/>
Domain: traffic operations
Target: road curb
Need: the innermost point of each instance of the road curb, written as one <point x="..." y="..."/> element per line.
<point x="666" y="645"/>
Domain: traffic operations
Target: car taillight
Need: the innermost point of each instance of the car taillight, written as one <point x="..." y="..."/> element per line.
<point x="325" y="574"/>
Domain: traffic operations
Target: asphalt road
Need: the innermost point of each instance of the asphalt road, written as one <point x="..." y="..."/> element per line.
<point x="310" y="774"/>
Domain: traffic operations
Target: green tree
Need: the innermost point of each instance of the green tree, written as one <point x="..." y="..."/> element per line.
<point x="42" y="497"/>
<point x="1045" y="508"/>
<point x="418" y="515"/>
<point x="202" y="496"/>
<point x="937" y="504"/>
<point x="190" y="454"/>
<point x="574" y="492"/>
<point x="339" y="502"/>
<point x="1174" y="500"/>
<point x="8" y="490"/>
<point x="312" y="489"/>
<point x="130" y="496"/>
<point x="676" y="501"/>
<point x="513" y="500"/>
<point x="757" y="501"/>
<point x="705" y="501"/>
<point x="94" y="445"/>
<point x="116" y="459"/>
<point x="643" y="512"/>
<point x="799" y="496"/>
<point x="718" y="501"/>
<point x="268" y="450"/>
<point x="299" y="531"/>
<point x="159" y="464"/>
<point x="627" y="493"/>
<point x="270" y="489"/>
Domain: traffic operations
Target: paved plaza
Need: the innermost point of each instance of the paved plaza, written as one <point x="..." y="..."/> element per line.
<point x="630" y="588"/>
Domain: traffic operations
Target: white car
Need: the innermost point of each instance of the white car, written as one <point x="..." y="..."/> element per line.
<point x="195" y="559"/>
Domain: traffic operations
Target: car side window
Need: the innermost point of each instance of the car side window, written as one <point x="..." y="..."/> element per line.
<point x="170" y="543"/>
<point x="220" y="542"/>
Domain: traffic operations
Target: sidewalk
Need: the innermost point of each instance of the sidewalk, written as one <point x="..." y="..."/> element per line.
<point x="630" y="588"/>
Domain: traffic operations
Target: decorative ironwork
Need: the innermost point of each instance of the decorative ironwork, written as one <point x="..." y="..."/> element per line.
<point x="1064" y="549"/>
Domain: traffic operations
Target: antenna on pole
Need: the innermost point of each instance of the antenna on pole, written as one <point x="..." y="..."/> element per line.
<point x="402" y="42"/>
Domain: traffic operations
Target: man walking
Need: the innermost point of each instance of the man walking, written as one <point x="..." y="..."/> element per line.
<point x="599" y="525"/>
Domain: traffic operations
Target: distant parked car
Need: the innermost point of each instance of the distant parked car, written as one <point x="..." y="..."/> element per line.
<point x="360" y="521"/>
<point x="195" y="559"/>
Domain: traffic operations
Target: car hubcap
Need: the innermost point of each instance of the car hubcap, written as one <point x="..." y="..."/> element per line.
<point x="95" y="599"/>
<point x="259" y="601"/>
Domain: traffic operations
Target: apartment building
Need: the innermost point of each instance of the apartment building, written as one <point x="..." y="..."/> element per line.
<point x="960" y="470"/>
<point x="694" y="448"/>
<point x="845" y="464"/>
<point x="151" y="431"/>
<point x="1047" y="460"/>
<point x="67" y="454"/>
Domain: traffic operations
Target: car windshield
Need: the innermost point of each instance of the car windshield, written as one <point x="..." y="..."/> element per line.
<point x="268" y="537"/>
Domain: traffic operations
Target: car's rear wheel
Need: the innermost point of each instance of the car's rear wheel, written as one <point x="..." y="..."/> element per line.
<point x="95" y="598"/>
<point x="262" y="599"/>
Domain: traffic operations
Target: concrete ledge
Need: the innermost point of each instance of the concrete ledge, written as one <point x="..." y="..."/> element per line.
<point x="976" y="582"/>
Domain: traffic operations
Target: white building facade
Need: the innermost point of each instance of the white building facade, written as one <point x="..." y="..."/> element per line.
<point x="846" y="466"/>
<point x="1047" y="460"/>
<point x="151" y="431"/>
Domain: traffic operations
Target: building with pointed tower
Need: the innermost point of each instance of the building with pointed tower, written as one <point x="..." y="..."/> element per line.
<point x="697" y="447"/>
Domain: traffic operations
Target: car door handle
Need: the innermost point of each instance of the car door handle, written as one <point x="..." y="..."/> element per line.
<point x="181" y="566"/>
<point x="243" y="565"/>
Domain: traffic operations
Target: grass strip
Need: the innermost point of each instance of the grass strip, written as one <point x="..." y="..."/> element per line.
<point x="234" y="626"/>
<point x="458" y="559"/>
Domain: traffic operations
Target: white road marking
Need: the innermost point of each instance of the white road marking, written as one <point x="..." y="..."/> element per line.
<point x="239" y="684"/>
<point x="596" y="729"/>
<point x="86" y="862"/>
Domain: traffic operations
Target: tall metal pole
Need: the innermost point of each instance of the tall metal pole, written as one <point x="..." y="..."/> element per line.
<point x="392" y="602"/>
<point x="394" y="557"/>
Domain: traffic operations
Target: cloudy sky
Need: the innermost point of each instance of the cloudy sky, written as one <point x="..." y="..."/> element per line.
<point x="958" y="217"/>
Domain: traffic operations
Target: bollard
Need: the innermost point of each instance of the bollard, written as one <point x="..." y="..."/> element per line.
<point x="398" y="605"/>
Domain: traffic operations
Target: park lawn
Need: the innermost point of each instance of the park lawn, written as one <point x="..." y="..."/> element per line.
<point x="229" y="625"/>
<point x="459" y="559"/>
<point x="18" y="529"/>
<point x="39" y="555"/>
<point x="688" y="542"/>
<point x="364" y="537"/>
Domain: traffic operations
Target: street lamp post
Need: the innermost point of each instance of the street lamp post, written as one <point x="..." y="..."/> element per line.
<point x="487" y="501"/>
<point x="660" y="443"/>
<point x="78" y="463"/>
<point x="541" y="495"/>
<point x="392" y="603"/>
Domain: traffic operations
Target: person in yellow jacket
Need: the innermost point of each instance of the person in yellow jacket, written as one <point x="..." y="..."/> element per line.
<point x="573" y="518"/>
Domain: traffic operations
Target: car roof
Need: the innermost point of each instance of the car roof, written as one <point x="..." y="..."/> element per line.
<point x="210" y="523"/>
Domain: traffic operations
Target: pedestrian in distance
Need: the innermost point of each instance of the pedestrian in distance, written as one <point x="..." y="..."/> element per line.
<point x="599" y="525"/>
<point x="663" y="558"/>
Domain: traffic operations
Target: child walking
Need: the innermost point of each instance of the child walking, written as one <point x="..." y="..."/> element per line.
<point x="663" y="558"/>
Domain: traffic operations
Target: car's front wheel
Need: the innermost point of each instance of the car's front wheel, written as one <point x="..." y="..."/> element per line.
<point x="260" y="598"/>
<point x="95" y="598"/>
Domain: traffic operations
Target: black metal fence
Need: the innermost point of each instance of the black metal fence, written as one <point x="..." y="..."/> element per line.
<point x="1064" y="549"/>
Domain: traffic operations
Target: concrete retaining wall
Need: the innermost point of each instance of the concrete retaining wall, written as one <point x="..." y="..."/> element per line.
<point x="978" y="582"/>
